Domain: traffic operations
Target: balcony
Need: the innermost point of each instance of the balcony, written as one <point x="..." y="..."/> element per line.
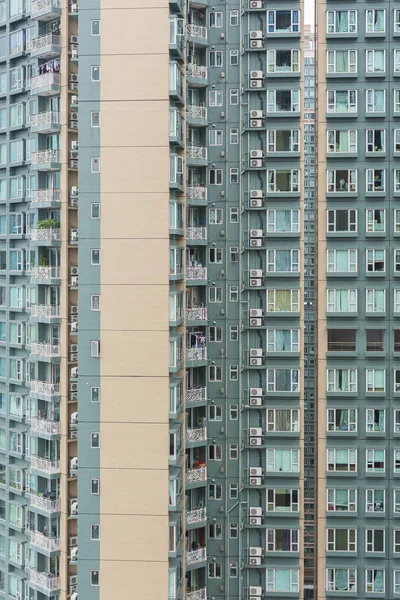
<point x="44" y="389"/>
<point x="196" y="354"/>
<point x="196" y="195"/>
<point x="198" y="394"/>
<point x="200" y="594"/>
<point x="44" y="504"/>
<point x="196" y="273"/>
<point x="196" y="515"/>
<point x="196" y="475"/>
<point x="196" y="434"/>
<point x="196" y="556"/>
<point x="47" y="84"/>
<point x="197" y="34"/>
<point x="196" y="74"/>
<point x="45" y="465"/>
<point x="196" y="234"/>
<point x="46" y="160"/>
<point x="45" y="274"/>
<point x="196" y="115"/>
<point x="44" y="312"/>
<point x="45" y="350"/>
<point x="46" y="46"/>
<point x="196" y="155"/>
<point x="45" y="426"/>
<point x="45" y="543"/>
<point x="45" y="198"/>
<point x="45" y="10"/>
<point x="45" y="122"/>
<point x="44" y="582"/>
<point x="198" y="313"/>
<point x="45" y="236"/>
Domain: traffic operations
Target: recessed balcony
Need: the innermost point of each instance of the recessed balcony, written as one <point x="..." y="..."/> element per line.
<point x="196" y="273"/>
<point x="197" y="313"/>
<point x="196" y="515"/>
<point x="196" y="195"/>
<point x="200" y="594"/>
<point x="196" y="434"/>
<point x="196" y="394"/>
<point x="196" y="155"/>
<point x="47" y="84"/>
<point x="46" y="46"/>
<point x="45" y="10"/>
<point x="196" y="475"/>
<point x="197" y="34"/>
<point x="45" y="465"/>
<point x="44" y="582"/>
<point x="46" y="122"/>
<point x="44" y="390"/>
<point x="196" y="234"/>
<point x="196" y="115"/>
<point x="196" y="556"/>
<point x="48" y="544"/>
<point x="45" y="236"/>
<point x="44" y="351"/>
<point x="45" y="427"/>
<point x="196" y="354"/>
<point x="46" y="275"/>
<point x="45" y="198"/>
<point x="46" y="313"/>
<point x="46" y="160"/>
<point x="45" y="502"/>
<point x="196" y="74"/>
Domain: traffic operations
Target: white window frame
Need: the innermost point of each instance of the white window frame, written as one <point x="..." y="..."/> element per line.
<point x="332" y="504"/>
<point x="331" y="540"/>
<point x="371" y="501"/>
<point x="351" y="460"/>
<point x="370" y="460"/>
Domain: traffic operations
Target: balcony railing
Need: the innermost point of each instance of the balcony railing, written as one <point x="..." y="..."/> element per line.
<point x="51" y="467"/>
<point x="45" y="349"/>
<point x="197" y="515"/>
<point x="200" y="594"/>
<point x="196" y="233"/>
<point x="196" y="394"/>
<point x="45" y="235"/>
<point x="45" y="388"/>
<point x="193" y="475"/>
<point x="46" y="581"/>
<point x="341" y="346"/>
<point x="45" y="310"/>
<point x="196" y="152"/>
<point x="39" y="5"/>
<point x="196" y="112"/>
<point x="197" y="71"/>
<point x="198" y="192"/>
<point x="196" y="556"/>
<point x="199" y="313"/>
<point x="196" y="273"/>
<point x="196" y="434"/>
<point x="42" y="81"/>
<point x="45" y="543"/>
<point x="45" y="504"/>
<point x="50" y="39"/>
<point x="193" y="354"/>
<point x="44" y="157"/>
<point x="46" y="195"/>
<point x="45" y="426"/>
<point x="197" y="31"/>
<point x="50" y="117"/>
<point x="45" y="273"/>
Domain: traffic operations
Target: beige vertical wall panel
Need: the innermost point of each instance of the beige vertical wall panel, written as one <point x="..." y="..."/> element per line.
<point x="143" y="307"/>
<point x="147" y="127"/>
<point x="138" y="169"/>
<point x="153" y="22"/>
<point x="133" y="547"/>
<point x="140" y="77"/>
<point x="125" y="502"/>
<point x="133" y="261"/>
<point x="126" y="408"/>
<point x="150" y="580"/>
<point x="134" y="353"/>
<point x="133" y="206"/>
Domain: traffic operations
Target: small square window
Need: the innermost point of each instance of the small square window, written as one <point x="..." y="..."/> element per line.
<point x="95" y="302"/>
<point x="234" y="373"/>
<point x="234" y="57"/>
<point x="95" y="164"/>
<point x="234" y="18"/>
<point x="233" y="491"/>
<point x="95" y="118"/>
<point x="95" y="532"/>
<point x="234" y="412"/>
<point x="234" y="333"/>
<point x="95" y="394"/>
<point x="95" y="487"/>
<point x="95" y="27"/>
<point x="234" y="97"/>
<point x="95" y="73"/>
<point x="234" y="175"/>
<point x="234" y="214"/>
<point x="94" y="578"/>
<point x="95" y="256"/>
<point x="95" y="210"/>
<point x="95" y="440"/>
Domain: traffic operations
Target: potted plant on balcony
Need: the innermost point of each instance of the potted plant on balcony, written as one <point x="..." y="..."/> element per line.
<point x="48" y="224"/>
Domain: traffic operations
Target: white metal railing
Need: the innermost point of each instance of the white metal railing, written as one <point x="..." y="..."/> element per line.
<point x="40" y="81"/>
<point x="196" y="273"/>
<point x="199" y="313"/>
<point x="196" y="233"/>
<point x="193" y="475"/>
<point x="196" y="152"/>
<point x="38" y="5"/>
<point x="196" y="112"/>
<point x="196" y="394"/>
<point x="45" y="543"/>
<point x="200" y="594"/>
<point x="45" y="118"/>
<point x="46" y="195"/>
<point x="45" y="580"/>
<point x="45" y="426"/>
<point x="198" y="192"/>
<point x="193" y="354"/>
<point x="45" y="273"/>
<point x="197" y="71"/>
<point x="197" y="31"/>
<point x="45" y="349"/>
<point x="195" y="556"/>
<point x="45" y="310"/>
<point x="44" y="503"/>
<point x="196" y="515"/>
<point x="46" y="465"/>
<point x="196" y="434"/>
<point x="50" y="39"/>
<point x="45" y="156"/>
<point x="45" y="387"/>
<point x="45" y="235"/>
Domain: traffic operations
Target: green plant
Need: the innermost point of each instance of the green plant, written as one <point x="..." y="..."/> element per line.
<point x="43" y="260"/>
<point x="48" y="224"/>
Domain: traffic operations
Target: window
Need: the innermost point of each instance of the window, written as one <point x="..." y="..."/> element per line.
<point x="375" y="420"/>
<point x="215" y="176"/>
<point x="215" y="491"/>
<point x="215" y="295"/>
<point x="234" y="373"/>
<point x="282" y="500"/>
<point x="283" y="380"/>
<point x="234" y="18"/>
<point x="233" y="135"/>
<point x="216" y="216"/>
<point x="94" y="578"/>
<point x="216" y="256"/>
<point x="282" y="580"/>
<point x="234" y="97"/>
<point x="283" y="460"/>
<point x="341" y="460"/>
<point x="282" y="300"/>
<point x="375" y="500"/>
<point x="214" y="570"/>
<point x="342" y="101"/>
<point x="375" y="300"/>
<point x="375" y="61"/>
<point x="342" y="141"/>
<point x="95" y="256"/>
<point x="215" y="137"/>
<point x="215" y="334"/>
<point x="375" y="261"/>
<point x="341" y="580"/>
<point x="233" y="451"/>
<point x="215" y="58"/>
<point x="233" y="569"/>
<point x="214" y="373"/>
<point x="341" y="61"/>
<point x="375" y="180"/>
<point x="375" y="140"/>
<point x="215" y="412"/>
<point x="375" y="380"/>
<point x="375" y="101"/>
<point x="234" y="215"/>
<point x="95" y="486"/>
<point x="215" y="531"/>
<point x="283" y="21"/>
<point x="282" y="420"/>
<point x="215" y="452"/>
<point x="234" y="333"/>
<point x="233" y="491"/>
<point x="283" y="181"/>
<point x="341" y="181"/>
<point x="341" y="21"/>
<point x="396" y="461"/>
<point x="95" y="118"/>
<point x="216" y="18"/>
<point x="343" y="500"/>
<point x="279" y="221"/>
<point x="95" y="440"/>
<point x="375" y="221"/>
<point x="342" y="220"/>
<point x="342" y="419"/>
<point x="95" y="210"/>
<point x="341" y="540"/>
<point x="375" y="461"/>
<point x="95" y="27"/>
<point x="233" y="412"/>
<point x="396" y="541"/>
<point x="95" y="394"/>
<point x="282" y="540"/>
<point x="215" y="97"/>
<point x="374" y="580"/>
<point x="95" y="73"/>
<point x="95" y="302"/>
<point x="374" y="21"/>
<point x="95" y="164"/>
<point x="397" y="61"/>
<point x="234" y="254"/>
<point x="396" y="260"/>
<point x="234" y="175"/>
<point x="283" y="261"/>
<point x="234" y="57"/>
<point x="342" y="261"/>
<point x="283" y="340"/>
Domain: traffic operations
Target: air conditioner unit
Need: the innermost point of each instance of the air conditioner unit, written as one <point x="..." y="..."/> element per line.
<point x="256" y="511"/>
<point x="256" y="163"/>
<point x="255" y="401"/>
<point x="256" y="471"/>
<point x="256" y="35"/>
<point x="256" y="203"/>
<point x="73" y="86"/>
<point x="256" y="114"/>
<point x="73" y="235"/>
<point x="73" y="434"/>
<point x="256" y="590"/>
<point x="256" y="352"/>
<point x="255" y="561"/>
<point x="256" y="154"/>
<point x="256" y="392"/>
<point x="73" y="8"/>
<point x="73" y="116"/>
<point x="73" y="164"/>
<point x="256" y="233"/>
<point x="95" y="348"/>
<point x="255" y="124"/>
<point x="256" y="273"/>
<point x="73" y="347"/>
<point x="73" y="397"/>
<point x="73" y="77"/>
<point x="73" y="39"/>
<point x="73" y="48"/>
<point x="256" y="312"/>
<point x="255" y="322"/>
<point x="256" y="83"/>
<point x="74" y="145"/>
<point x="74" y="553"/>
<point x="74" y="52"/>
<point x="73" y="541"/>
<point x="73" y="155"/>
<point x="74" y="596"/>
<point x="255" y="521"/>
<point x="255" y="481"/>
<point x="255" y="441"/>
<point x="73" y="281"/>
<point x="254" y="4"/>
<point x="74" y="326"/>
<point x="73" y="386"/>
<point x="73" y="310"/>
<point x="74" y="418"/>
<point x="73" y="271"/>
<point x="256" y="75"/>
<point x="74" y="506"/>
<point x="73" y="357"/>
<point x="73" y="579"/>
<point x="256" y="362"/>
<point x="255" y="283"/>
<point x="73" y="463"/>
<point x="222" y="74"/>
<point x="255" y="551"/>
<point x="74" y="372"/>
<point x="73" y="589"/>
<point x="255" y="243"/>
<point x="256" y="194"/>
<point x="73" y="202"/>
<point x="256" y="43"/>
<point x="74" y="190"/>
<point x="256" y="432"/>
<point x="74" y="99"/>
<point x="73" y="125"/>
